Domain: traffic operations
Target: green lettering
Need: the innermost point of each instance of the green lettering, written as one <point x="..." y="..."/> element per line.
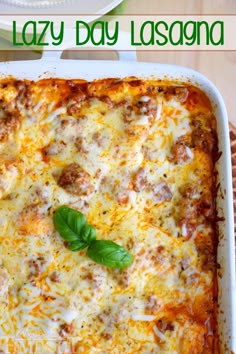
<point x="78" y="26"/>
<point x="149" y="27"/>
<point x="219" y="31"/>
<point x="176" y="29"/>
<point x="14" y="35"/>
<point x="200" y="33"/>
<point x="112" y="37"/>
<point x="132" y="32"/>
<point x="190" y="32"/>
<point x="42" y="34"/>
<point x="160" y="34"/>
<point x="26" y="36"/>
<point x="101" y="40"/>
<point x="59" y="37"/>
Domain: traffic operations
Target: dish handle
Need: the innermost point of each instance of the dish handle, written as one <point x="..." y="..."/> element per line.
<point x="129" y="54"/>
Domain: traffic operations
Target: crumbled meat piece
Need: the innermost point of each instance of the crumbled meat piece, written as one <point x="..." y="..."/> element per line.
<point x="177" y="92"/>
<point x="152" y="305"/>
<point x="145" y="106"/>
<point x="54" y="277"/>
<point x="165" y="325"/>
<point x="98" y="138"/>
<point x="107" y="100"/>
<point x="136" y="131"/>
<point x="66" y="329"/>
<point x="52" y="150"/>
<point x="207" y="209"/>
<point x="194" y="205"/>
<point x="8" y="125"/>
<point x="188" y="190"/>
<point x="203" y="140"/>
<point x="189" y="210"/>
<point x="75" y="180"/>
<point x="162" y="192"/>
<point x="207" y="256"/>
<point x="49" y="150"/>
<point x="37" y="266"/>
<point x="74" y="106"/>
<point x="80" y="145"/>
<point x="71" y="128"/>
<point x="180" y="150"/>
<point x="139" y="180"/>
<point x="123" y="198"/>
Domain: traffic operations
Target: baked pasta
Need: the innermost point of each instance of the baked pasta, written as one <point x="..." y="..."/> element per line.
<point x="137" y="158"/>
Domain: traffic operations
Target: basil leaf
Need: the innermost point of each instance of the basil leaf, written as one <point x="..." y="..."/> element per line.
<point x="109" y="254"/>
<point x="77" y="245"/>
<point x="69" y="223"/>
<point x="73" y="227"/>
<point x="88" y="234"/>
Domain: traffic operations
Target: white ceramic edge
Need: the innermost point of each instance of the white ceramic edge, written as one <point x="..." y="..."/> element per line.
<point x="7" y="24"/>
<point x="39" y="4"/>
<point x="88" y="70"/>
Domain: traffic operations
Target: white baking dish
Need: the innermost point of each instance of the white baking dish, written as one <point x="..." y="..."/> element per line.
<point x="51" y="67"/>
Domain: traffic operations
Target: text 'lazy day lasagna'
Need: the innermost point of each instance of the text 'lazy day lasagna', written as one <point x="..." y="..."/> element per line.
<point x="137" y="158"/>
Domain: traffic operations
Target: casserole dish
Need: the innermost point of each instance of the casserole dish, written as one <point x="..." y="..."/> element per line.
<point x="50" y="67"/>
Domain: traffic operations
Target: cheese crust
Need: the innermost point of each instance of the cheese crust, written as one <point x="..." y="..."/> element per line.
<point x="137" y="157"/>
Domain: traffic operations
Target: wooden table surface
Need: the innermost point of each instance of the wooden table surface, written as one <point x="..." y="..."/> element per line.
<point x="219" y="67"/>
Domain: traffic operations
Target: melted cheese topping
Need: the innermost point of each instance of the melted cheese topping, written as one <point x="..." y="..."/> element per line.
<point x="137" y="158"/>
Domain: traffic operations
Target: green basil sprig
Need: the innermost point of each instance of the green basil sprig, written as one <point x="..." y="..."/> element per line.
<point x="73" y="228"/>
<point x="108" y="253"/>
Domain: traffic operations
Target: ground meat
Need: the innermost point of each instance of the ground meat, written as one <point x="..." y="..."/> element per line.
<point x="193" y="207"/>
<point x="123" y="198"/>
<point x="66" y="329"/>
<point x="207" y="256"/>
<point x="52" y="149"/>
<point x="74" y="106"/>
<point x="188" y="190"/>
<point x="98" y="138"/>
<point x="75" y="180"/>
<point x="137" y="132"/>
<point x="146" y="106"/>
<point x="207" y="209"/>
<point x="70" y="129"/>
<point x="7" y="126"/>
<point x="80" y="145"/>
<point x="180" y="151"/>
<point x="190" y="210"/>
<point x="179" y="93"/>
<point x="107" y="100"/>
<point x="186" y="211"/>
<point x="139" y="180"/>
<point x="162" y="192"/>
<point x="54" y="277"/>
<point x="152" y="305"/>
<point x="143" y="106"/>
<point x="37" y="266"/>
<point x="203" y="140"/>
<point x="165" y="325"/>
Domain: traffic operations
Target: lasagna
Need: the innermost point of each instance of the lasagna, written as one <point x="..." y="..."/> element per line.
<point x="137" y="158"/>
